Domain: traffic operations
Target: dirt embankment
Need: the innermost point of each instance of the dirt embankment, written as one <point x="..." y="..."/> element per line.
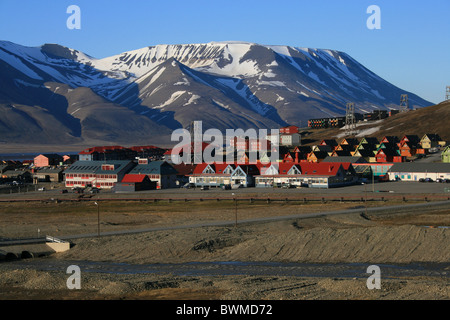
<point x="349" y="238"/>
<point x="390" y="237"/>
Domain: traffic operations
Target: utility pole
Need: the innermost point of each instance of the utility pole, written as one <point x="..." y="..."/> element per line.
<point x="365" y="200"/>
<point x="235" y="210"/>
<point x="98" y="218"/>
<point x="447" y="94"/>
<point x="404" y="103"/>
<point x="373" y="182"/>
<point x="350" y="121"/>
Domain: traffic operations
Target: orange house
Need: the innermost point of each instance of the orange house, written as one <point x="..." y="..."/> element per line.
<point x="46" y="160"/>
<point x="316" y="156"/>
<point x="406" y="150"/>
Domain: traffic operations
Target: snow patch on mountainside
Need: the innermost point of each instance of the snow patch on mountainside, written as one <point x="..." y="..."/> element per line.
<point x="192" y="100"/>
<point x="172" y="99"/>
<point x="234" y="53"/>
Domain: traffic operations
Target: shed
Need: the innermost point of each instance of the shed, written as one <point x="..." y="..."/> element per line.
<point x="135" y="182"/>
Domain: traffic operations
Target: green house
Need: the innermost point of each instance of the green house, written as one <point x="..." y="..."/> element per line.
<point x="445" y="155"/>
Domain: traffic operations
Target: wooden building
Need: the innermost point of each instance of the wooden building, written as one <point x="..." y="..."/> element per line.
<point x="162" y="172"/>
<point x="48" y="159"/>
<point x="431" y="140"/>
<point x="98" y="174"/>
<point x="414" y="171"/>
<point x="134" y="182"/>
<point x="445" y="155"/>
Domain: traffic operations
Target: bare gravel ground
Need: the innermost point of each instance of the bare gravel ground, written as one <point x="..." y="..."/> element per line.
<point x="393" y="238"/>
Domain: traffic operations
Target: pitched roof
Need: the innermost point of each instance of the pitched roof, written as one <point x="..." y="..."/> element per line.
<point x="390" y="139"/>
<point x="154" y="167"/>
<point x="387" y="152"/>
<point x="302" y="149"/>
<point x="104" y="149"/>
<point x="369" y="140"/>
<point x="96" y="166"/>
<point x="345" y="159"/>
<point x="184" y="169"/>
<point x="322" y="168"/>
<point x="217" y="167"/>
<point x="364" y="153"/>
<point x="144" y="148"/>
<point x="411" y="138"/>
<point x="50" y="155"/>
<point x="432" y="136"/>
<point x="134" y="178"/>
<point x="319" y="154"/>
<point x="341" y="153"/>
<point x="250" y="169"/>
<point x="349" y="141"/>
<point x="329" y="142"/>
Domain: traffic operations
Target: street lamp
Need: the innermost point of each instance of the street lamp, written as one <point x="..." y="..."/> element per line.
<point x="365" y="198"/>
<point x="235" y="210"/>
<point x="98" y="218"/>
<point x="373" y="182"/>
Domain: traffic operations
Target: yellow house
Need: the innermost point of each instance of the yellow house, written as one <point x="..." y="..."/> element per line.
<point x="431" y="140"/>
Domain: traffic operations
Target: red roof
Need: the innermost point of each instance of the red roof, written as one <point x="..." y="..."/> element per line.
<point x="217" y="167"/>
<point x="143" y="148"/>
<point x="134" y="178"/>
<point x="199" y="168"/>
<point x="178" y="149"/>
<point x="184" y="169"/>
<point x="306" y="168"/>
<point x="320" y="168"/>
<point x="101" y="149"/>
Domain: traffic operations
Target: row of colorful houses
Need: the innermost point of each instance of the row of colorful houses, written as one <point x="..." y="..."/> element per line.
<point x="320" y="175"/>
<point x="123" y="175"/>
<point x="388" y="149"/>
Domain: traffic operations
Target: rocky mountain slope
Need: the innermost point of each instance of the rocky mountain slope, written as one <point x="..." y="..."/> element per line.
<point x="55" y="95"/>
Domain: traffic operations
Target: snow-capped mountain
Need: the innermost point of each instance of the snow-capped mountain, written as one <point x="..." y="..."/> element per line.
<point x="59" y="95"/>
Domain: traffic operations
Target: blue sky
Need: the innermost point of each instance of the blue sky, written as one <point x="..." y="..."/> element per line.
<point x="411" y="50"/>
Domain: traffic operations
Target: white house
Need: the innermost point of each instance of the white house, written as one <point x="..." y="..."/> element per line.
<point x="292" y="139"/>
<point x="414" y="171"/>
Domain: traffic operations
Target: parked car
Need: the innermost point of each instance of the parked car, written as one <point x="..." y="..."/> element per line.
<point x="189" y="185"/>
<point x="205" y="188"/>
<point x="428" y="180"/>
<point x="94" y="190"/>
<point x="422" y="180"/>
<point x="78" y="190"/>
<point x="64" y="191"/>
<point x="41" y="189"/>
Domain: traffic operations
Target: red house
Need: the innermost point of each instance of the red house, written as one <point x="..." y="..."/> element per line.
<point x="388" y="155"/>
<point x="292" y="157"/>
<point x="289" y="130"/>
